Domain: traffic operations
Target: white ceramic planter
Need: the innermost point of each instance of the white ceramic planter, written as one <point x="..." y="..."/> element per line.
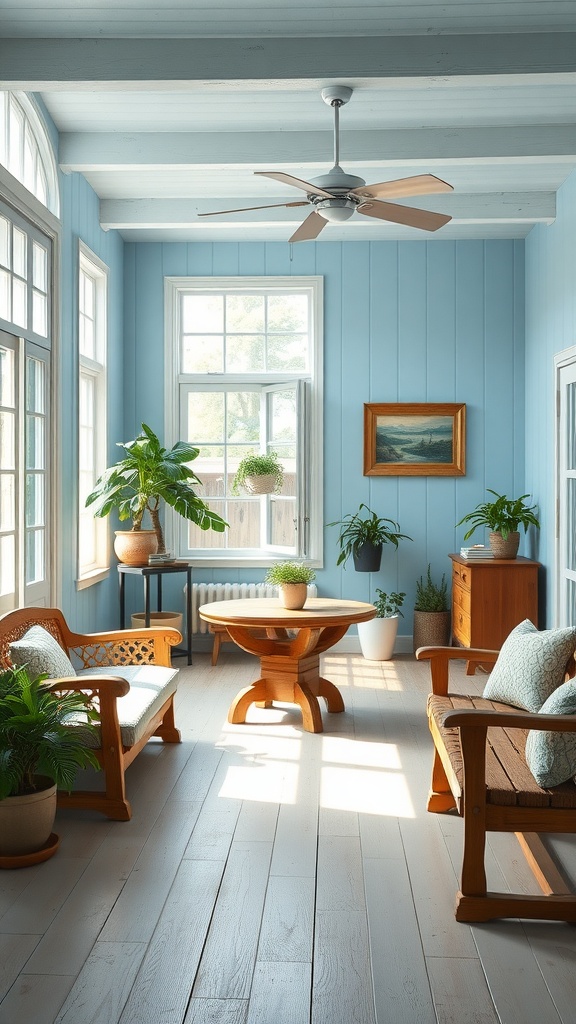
<point x="377" y="637"/>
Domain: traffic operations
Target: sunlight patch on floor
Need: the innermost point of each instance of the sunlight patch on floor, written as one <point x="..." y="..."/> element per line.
<point x="356" y="672"/>
<point x="359" y="753"/>
<point x="365" y="790"/>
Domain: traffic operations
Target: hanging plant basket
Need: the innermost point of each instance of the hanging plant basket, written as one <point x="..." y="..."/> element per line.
<point x="260" y="484"/>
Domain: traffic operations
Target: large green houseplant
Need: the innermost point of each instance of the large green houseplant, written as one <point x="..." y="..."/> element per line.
<point x="362" y="536"/>
<point x="146" y="476"/>
<point x="503" y="517"/>
<point x="39" y="752"/>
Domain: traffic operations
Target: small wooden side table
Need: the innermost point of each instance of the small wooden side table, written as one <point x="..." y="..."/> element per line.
<point x="146" y="571"/>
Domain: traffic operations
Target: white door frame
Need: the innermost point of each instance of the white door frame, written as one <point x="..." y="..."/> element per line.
<point x="563" y="361"/>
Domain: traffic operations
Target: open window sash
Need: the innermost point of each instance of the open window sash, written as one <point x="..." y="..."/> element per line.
<point x="286" y="424"/>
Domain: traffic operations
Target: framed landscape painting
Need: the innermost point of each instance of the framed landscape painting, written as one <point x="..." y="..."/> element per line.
<point x="415" y="439"/>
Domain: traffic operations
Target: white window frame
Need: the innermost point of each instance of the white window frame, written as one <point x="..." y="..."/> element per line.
<point x="310" y="513"/>
<point x="93" y="371"/>
<point x="28" y="157"/>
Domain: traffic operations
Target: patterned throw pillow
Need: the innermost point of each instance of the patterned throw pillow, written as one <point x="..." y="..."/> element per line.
<point x="551" y="756"/>
<point x="41" y="654"/>
<point x="530" y="666"/>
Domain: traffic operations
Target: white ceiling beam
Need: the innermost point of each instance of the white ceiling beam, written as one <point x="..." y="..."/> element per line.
<point x="101" y="151"/>
<point x="520" y="208"/>
<point x="45" y="64"/>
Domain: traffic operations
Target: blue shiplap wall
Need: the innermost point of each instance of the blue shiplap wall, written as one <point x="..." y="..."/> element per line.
<point x="404" y="322"/>
<point x="550" y="328"/>
<point x="97" y="606"/>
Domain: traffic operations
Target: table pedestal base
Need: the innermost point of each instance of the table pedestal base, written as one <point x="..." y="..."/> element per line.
<point x="293" y="681"/>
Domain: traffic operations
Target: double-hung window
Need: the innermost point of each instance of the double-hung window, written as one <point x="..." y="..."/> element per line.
<point x="246" y="354"/>
<point x="92" y="434"/>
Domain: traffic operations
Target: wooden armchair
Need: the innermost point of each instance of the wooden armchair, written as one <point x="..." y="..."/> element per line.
<point x="480" y="771"/>
<point x="125" y="727"/>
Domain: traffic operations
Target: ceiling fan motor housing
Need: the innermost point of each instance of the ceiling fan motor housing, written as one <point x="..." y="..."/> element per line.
<point x="335" y="210"/>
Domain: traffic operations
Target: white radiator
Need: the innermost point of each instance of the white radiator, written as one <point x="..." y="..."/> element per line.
<point x="204" y="593"/>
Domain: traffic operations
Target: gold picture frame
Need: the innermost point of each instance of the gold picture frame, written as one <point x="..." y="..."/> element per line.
<point x="415" y="439"/>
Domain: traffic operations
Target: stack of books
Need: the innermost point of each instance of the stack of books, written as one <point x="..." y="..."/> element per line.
<point x="476" y="551"/>
<point x="165" y="559"/>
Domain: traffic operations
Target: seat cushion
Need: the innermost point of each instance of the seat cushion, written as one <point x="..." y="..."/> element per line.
<point x="150" y="688"/>
<point x="551" y="756"/>
<point x="41" y="654"/>
<point x="530" y="666"/>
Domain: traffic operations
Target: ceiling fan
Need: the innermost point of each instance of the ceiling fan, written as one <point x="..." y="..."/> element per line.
<point x="336" y="196"/>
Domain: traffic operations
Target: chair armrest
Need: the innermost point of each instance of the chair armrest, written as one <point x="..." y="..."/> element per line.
<point x="126" y="646"/>
<point x="478" y="718"/>
<point x="440" y="657"/>
<point x="112" y="686"/>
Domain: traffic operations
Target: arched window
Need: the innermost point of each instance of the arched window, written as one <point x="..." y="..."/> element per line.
<point x="25" y="149"/>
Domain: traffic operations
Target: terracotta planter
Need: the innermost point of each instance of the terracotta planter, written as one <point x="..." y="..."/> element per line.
<point x="504" y="548"/>
<point x="293" y="595"/>
<point x="367" y="558"/>
<point x="431" y="629"/>
<point x="26" y="821"/>
<point x="132" y="547"/>
<point x="377" y="637"/>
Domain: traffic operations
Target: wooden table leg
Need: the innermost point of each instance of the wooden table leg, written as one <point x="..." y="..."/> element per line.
<point x="249" y="695"/>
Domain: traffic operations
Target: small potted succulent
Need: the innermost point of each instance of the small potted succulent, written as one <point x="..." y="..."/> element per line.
<point x="362" y="536"/>
<point x="259" y="474"/>
<point x="503" y="517"/>
<point x="39" y="751"/>
<point x="292" y="578"/>
<point x="431" y="613"/>
<point x="377" y="636"/>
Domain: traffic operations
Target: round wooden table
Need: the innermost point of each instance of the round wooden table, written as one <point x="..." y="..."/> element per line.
<point x="289" y="645"/>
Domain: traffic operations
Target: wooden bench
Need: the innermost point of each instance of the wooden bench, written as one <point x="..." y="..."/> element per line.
<point x="479" y="771"/>
<point x="135" y="651"/>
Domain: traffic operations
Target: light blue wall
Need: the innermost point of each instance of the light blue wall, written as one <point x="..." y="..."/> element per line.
<point x="409" y="322"/>
<point x="550" y="328"/>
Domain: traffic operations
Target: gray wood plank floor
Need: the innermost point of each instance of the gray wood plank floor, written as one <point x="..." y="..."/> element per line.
<point x="271" y="876"/>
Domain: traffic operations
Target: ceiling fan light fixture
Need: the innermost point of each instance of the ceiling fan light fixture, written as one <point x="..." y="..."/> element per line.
<point x="336" y="210"/>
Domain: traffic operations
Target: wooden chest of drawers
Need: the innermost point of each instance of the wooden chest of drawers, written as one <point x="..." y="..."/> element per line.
<point x="490" y="597"/>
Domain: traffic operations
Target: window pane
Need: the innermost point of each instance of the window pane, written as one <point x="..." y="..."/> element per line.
<point x="202" y="354"/>
<point x="282" y="522"/>
<point x="87" y="296"/>
<point x="288" y="353"/>
<point x="87" y="341"/>
<point x="7" y="565"/>
<point x="205" y="417"/>
<point x="7" y="441"/>
<point x="203" y="314"/>
<point x="209" y="467"/>
<point x="35" y="443"/>
<point x="15" y="141"/>
<point x="244" y="353"/>
<point x="34" y="385"/>
<point x="4" y="242"/>
<point x="571" y="523"/>
<point x="7" y="502"/>
<point x="19" y="250"/>
<point x="19" y="299"/>
<point x="87" y="538"/>
<point x="34" y="499"/>
<point x="198" y="538"/>
<point x="40" y="314"/>
<point x="34" y="556"/>
<point x="243" y="416"/>
<point x="5" y="295"/>
<point x="39" y="267"/>
<point x="6" y="377"/>
<point x="288" y="313"/>
<point x="29" y="176"/>
<point x="245" y="314"/>
<point x="3" y="108"/>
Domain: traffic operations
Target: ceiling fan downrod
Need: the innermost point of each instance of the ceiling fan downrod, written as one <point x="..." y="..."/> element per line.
<point x="336" y="96"/>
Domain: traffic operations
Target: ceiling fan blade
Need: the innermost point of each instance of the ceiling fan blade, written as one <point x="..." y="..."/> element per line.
<point x="404" y="215"/>
<point x="246" y="209"/>
<point x="309" y="228"/>
<point x="418" y="185"/>
<point x="289" y="179"/>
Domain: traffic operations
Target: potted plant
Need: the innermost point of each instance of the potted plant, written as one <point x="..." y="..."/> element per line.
<point x="39" y="752"/>
<point x="292" y="578"/>
<point x="431" y="613"/>
<point x="147" y="475"/>
<point x="362" y="535"/>
<point x="378" y="635"/>
<point x="259" y="474"/>
<point x="503" y="517"/>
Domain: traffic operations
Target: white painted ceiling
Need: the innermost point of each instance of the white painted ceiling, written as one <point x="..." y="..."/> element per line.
<point x="169" y="108"/>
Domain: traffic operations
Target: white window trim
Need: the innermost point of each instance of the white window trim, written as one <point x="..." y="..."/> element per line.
<point x="172" y="288"/>
<point x="97" y="370"/>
